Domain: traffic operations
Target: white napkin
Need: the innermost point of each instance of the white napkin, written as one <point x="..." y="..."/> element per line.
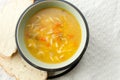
<point x="101" y="60"/>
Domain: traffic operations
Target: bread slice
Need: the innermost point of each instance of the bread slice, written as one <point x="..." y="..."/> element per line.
<point x="10" y="12"/>
<point x="17" y="67"/>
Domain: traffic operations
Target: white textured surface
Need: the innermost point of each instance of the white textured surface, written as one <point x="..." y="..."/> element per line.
<point x="102" y="58"/>
<point x="4" y="76"/>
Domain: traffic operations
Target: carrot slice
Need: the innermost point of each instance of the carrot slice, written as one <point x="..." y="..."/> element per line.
<point x="58" y="24"/>
<point x="70" y="36"/>
<point x="42" y="39"/>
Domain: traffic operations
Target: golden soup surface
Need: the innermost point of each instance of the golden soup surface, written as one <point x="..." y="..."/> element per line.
<point x="52" y="35"/>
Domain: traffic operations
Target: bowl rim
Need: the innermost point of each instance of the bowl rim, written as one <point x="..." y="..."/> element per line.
<point x="61" y="68"/>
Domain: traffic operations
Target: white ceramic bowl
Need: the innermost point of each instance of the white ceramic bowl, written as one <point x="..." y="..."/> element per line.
<point x="20" y="34"/>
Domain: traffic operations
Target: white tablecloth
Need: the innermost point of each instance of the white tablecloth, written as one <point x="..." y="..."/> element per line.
<point x="102" y="58"/>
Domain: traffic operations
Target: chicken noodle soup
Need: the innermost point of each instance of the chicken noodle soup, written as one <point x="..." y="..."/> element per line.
<point x="52" y="35"/>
